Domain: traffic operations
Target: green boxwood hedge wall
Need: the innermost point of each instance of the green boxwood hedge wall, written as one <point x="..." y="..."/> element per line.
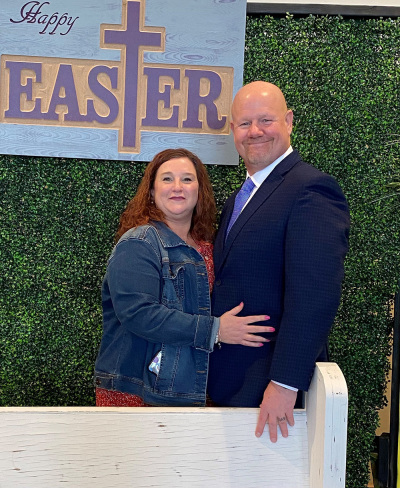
<point x="58" y="217"/>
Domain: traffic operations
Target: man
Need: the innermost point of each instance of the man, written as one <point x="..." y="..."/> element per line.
<point x="283" y="256"/>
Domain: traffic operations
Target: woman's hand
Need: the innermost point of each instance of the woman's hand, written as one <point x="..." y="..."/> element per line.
<point x="236" y="330"/>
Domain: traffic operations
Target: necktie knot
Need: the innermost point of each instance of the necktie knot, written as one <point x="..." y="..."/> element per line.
<point x="240" y="201"/>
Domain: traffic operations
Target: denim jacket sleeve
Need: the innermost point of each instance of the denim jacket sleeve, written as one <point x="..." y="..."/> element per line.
<point x="133" y="283"/>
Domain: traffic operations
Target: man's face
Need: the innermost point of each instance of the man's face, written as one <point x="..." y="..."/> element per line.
<point x="261" y="126"/>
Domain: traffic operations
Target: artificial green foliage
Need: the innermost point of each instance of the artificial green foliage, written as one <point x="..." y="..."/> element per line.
<point x="57" y="221"/>
<point x="58" y="218"/>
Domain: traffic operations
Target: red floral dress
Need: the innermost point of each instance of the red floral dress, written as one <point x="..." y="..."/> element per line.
<point x="110" y="398"/>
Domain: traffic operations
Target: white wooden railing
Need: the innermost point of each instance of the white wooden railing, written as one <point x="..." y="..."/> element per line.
<point x="93" y="447"/>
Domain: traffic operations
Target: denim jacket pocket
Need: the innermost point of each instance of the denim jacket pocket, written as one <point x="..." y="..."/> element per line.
<point x="173" y="285"/>
<point x="178" y="371"/>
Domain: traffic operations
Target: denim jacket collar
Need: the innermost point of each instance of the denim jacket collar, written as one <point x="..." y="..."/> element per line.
<point x="167" y="236"/>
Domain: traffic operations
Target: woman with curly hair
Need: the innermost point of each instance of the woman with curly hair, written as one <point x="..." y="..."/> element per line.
<point x="157" y="326"/>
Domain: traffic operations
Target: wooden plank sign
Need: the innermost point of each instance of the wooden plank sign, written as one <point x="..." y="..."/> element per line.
<point x="120" y="79"/>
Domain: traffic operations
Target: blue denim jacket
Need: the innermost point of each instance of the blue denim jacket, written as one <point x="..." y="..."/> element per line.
<point x="156" y="298"/>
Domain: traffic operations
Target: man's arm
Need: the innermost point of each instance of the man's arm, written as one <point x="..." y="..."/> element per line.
<point x="315" y="246"/>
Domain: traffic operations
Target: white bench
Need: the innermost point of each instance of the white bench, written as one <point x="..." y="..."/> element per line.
<point x="93" y="447"/>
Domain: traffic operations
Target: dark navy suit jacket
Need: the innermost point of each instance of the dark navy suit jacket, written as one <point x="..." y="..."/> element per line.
<point x="283" y="257"/>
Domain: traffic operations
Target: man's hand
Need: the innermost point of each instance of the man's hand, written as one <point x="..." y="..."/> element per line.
<point x="276" y="409"/>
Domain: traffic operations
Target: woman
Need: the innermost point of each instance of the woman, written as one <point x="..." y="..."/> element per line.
<point x="157" y="326"/>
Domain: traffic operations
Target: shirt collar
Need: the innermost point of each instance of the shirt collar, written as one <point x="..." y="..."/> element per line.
<point x="259" y="177"/>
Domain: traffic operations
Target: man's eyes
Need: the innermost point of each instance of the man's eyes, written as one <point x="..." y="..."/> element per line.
<point x="262" y="121"/>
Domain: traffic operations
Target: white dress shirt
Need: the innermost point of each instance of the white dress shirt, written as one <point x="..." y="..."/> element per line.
<point x="259" y="177"/>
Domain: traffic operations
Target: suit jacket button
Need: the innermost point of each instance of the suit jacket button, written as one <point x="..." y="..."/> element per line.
<point x="218" y="282"/>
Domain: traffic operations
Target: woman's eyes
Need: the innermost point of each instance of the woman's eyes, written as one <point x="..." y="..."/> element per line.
<point x="186" y="179"/>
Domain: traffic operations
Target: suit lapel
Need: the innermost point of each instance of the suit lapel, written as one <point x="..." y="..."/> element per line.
<point x="270" y="184"/>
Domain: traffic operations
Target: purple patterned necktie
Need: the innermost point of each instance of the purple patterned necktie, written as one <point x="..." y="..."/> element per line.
<point x="240" y="200"/>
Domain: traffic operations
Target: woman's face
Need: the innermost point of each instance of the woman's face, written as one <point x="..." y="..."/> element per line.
<point x="176" y="189"/>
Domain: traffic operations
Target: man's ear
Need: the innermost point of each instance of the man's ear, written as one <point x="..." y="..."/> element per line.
<point x="289" y="121"/>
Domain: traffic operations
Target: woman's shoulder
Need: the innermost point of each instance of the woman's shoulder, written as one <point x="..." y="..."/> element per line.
<point x="146" y="235"/>
<point x="139" y="232"/>
<point x="138" y="240"/>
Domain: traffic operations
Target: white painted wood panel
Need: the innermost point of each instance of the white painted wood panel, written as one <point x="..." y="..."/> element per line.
<point x="156" y="447"/>
<point x="327" y="406"/>
<point x="103" y="144"/>
<point x="173" y="447"/>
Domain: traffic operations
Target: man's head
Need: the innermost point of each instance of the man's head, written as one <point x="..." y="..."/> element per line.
<point x="261" y="124"/>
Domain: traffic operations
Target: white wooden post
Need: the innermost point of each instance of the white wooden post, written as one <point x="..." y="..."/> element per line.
<point x="173" y="447"/>
<point x="326" y="406"/>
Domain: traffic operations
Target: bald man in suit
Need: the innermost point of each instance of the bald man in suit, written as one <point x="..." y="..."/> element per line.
<point x="283" y="256"/>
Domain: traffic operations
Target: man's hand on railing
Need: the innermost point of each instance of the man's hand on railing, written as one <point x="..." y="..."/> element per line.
<point x="276" y="409"/>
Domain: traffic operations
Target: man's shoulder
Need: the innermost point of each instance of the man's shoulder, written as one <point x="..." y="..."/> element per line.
<point x="295" y="161"/>
<point x="306" y="172"/>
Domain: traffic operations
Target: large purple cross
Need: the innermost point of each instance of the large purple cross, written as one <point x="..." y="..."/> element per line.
<point x="132" y="38"/>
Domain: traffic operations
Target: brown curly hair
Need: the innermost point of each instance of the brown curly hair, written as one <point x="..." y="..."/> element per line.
<point x="141" y="209"/>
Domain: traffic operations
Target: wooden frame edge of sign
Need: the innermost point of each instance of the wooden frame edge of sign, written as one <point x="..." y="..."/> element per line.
<point x="322" y="9"/>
